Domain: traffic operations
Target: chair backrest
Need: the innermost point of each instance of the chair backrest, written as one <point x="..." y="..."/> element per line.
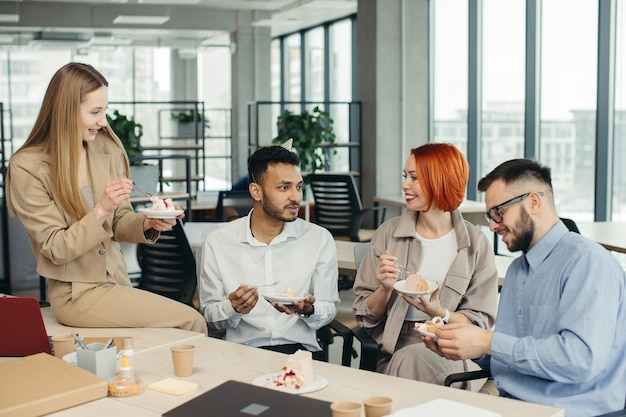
<point x="338" y="205"/>
<point x="232" y="204"/>
<point x="570" y="224"/>
<point x="360" y="249"/>
<point x="168" y="266"/>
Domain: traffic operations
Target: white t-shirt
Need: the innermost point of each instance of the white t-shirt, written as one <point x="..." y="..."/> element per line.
<point x="437" y="256"/>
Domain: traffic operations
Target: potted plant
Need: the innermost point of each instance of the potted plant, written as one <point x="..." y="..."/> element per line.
<point x="308" y="130"/>
<point x="187" y="121"/>
<point x="130" y="132"/>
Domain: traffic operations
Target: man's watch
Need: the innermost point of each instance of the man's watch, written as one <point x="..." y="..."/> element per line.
<point x="305" y="315"/>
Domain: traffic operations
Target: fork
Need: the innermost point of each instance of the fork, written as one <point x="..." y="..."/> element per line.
<point x="273" y="284"/>
<point x="141" y="191"/>
<point x="405" y="271"/>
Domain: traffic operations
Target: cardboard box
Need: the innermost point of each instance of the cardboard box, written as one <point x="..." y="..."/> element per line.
<point x="40" y="384"/>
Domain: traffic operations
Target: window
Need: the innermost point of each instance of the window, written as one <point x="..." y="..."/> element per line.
<point x="568" y="101"/>
<point x="619" y="127"/>
<point x="450" y="70"/>
<point x="503" y="82"/>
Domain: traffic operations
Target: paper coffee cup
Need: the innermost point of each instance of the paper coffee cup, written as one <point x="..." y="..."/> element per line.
<point x="377" y="406"/>
<point x="63" y="344"/>
<point x="346" y="409"/>
<point x="182" y="356"/>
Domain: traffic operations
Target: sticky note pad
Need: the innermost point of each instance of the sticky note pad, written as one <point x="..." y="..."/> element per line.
<point x="173" y="386"/>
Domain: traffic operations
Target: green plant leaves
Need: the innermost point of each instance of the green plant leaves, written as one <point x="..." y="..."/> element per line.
<point x="129" y="132"/>
<point x="308" y="130"/>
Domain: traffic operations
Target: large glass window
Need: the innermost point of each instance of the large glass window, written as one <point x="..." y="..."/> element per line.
<point x="292" y="71"/>
<point x="502" y="82"/>
<point x="619" y="128"/>
<point x="314" y="64"/>
<point x="568" y="102"/>
<point x="450" y="71"/>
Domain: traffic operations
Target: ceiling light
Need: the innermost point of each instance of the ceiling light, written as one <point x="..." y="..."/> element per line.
<point x="9" y="18"/>
<point x="140" y="20"/>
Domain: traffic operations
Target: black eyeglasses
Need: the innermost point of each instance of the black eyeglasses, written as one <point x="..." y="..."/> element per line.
<point x="495" y="212"/>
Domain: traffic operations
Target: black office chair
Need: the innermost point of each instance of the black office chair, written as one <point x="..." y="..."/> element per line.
<point x="338" y="207"/>
<point x="369" y="347"/>
<point x="168" y="266"/>
<point x="232" y="204"/>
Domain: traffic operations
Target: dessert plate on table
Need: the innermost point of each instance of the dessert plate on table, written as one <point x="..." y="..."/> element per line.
<point x="282" y="299"/>
<point x="160" y="214"/>
<point x="319" y="382"/>
<point x="400" y="287"/>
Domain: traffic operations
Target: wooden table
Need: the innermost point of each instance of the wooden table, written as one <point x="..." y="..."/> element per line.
<point x="611" y="235"/>
<point x="217" y="361"/>
<point x="144" y="338"/>
<point x="473" y="211"/>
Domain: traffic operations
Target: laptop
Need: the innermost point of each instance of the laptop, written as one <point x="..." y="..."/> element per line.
<point x="22" y="331"/>
<point x="237" y="399"/>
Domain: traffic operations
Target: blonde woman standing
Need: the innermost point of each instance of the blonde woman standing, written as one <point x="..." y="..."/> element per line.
<point x="69" y="186"/>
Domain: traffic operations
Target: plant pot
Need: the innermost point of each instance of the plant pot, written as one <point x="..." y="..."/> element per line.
<point x="189" y="129"/>
<point x="146" y="178"/>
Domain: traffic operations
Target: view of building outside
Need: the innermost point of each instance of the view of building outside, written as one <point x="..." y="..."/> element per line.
<point x="568" y="80"/>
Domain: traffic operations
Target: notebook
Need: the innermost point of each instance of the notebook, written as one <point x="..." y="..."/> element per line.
<point x="237" y="399"/>
<point x="22" y="331"/>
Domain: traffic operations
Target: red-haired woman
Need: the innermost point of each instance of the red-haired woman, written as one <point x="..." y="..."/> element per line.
<point x="430" y="237"/>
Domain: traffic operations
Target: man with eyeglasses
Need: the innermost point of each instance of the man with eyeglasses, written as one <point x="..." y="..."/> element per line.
<point x="559" y="336"/>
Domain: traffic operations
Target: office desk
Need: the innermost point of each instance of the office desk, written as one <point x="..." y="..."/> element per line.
<point x="473" y="211"/>
<point x="144" y="338"/>
<point x="217" y="361"/>
<point x="611" y="235"/>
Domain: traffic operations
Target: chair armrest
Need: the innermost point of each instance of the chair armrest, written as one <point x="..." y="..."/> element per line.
<point x="466" y="376"/>
<point x="346" y="334"/>
<point x="369" y="348"/>
<point x="381" y="211"/>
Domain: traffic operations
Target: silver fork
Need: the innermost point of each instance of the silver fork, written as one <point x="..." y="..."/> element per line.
<point x="273" y="284"/>
<point x="141" y="191"/>
<point x="405" y="271"/>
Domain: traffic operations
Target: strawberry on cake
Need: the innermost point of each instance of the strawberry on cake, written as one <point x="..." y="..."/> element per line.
<point x="159" y="204"/>
<point x="296" y="374"/>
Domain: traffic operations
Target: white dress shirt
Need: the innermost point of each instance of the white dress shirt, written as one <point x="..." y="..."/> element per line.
<point x="303" y="256"/>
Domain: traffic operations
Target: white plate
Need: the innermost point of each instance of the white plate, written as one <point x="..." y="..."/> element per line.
<point x="319" y="382"/>
<point x="425" y="333"/>
<point x="158" y="214"/>
<point x="283" y="299"/>
<point x="400" y="286"/>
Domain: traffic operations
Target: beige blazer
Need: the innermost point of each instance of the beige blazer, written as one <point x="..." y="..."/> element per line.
<point x="86" y="250"/>
<point x="470" y="286"/>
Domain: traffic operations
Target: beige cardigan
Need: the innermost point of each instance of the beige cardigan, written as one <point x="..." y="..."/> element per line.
<point x="86" y="250"/>
<point x="470" y="286"/>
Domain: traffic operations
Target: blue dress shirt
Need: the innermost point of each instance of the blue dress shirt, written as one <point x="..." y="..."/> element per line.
<point x="560" y="334"/>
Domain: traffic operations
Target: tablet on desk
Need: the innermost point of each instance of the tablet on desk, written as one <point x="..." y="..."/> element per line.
<point x="237" y="399"/>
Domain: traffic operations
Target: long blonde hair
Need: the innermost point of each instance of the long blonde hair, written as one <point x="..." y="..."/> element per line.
<point x="57" y="132"/>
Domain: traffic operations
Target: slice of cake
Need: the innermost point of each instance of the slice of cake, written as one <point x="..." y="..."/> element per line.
<point x="430" y="326"/>
<point x="159" y="204"/>
<point x="296" y="374"/>
<point x="416" y="283"/>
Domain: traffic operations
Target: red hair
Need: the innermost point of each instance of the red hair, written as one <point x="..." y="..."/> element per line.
<point x="442" y="172"/>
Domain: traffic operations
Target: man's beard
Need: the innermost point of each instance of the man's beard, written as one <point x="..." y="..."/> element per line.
<point x="525" y="230"/>
<point x="273" y="211"/>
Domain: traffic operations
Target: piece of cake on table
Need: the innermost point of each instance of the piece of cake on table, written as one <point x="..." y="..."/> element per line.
<point x="296" y="374"/>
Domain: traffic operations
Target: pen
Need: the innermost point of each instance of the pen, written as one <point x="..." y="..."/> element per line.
<point x="80" y="341"/>
<point x="108" y="344"/>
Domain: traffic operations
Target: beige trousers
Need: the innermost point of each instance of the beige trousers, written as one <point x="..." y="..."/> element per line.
<point x="413" y="360"/>
<point x="110" y="304"/>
